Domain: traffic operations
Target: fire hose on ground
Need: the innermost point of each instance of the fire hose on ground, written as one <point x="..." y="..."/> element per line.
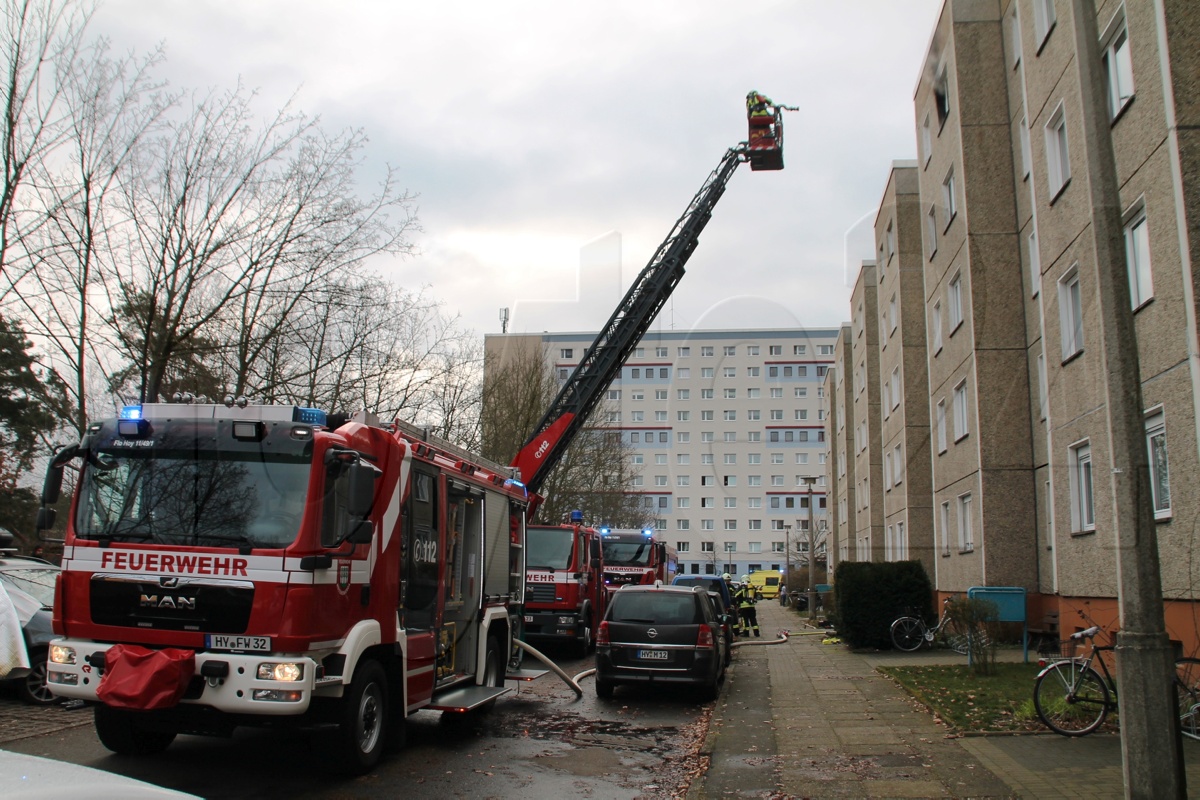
<point x="557" y="670"/>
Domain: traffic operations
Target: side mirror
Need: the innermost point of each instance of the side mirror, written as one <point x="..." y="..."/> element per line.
<point x="46" y="517"/>
<point x="54" y="475"/>
<point x="594" y="552"/>
<point x="361" y="489"/>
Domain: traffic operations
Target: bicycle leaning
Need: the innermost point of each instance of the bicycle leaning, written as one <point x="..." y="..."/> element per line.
<point x="1073" y="697"/>
<point x="910" y="632"/>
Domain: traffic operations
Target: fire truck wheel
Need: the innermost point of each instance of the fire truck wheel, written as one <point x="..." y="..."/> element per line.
<point x="583" y="645"/>
<point x="362" y="732"/>
<point x="493" y="672"/>
<point x="121" y="731"/>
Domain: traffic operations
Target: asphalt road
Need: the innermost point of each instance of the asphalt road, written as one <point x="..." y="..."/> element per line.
<point x="539" y="741"/>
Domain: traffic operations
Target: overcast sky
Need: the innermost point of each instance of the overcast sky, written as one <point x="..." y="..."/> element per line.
<point x="542" y="135"/>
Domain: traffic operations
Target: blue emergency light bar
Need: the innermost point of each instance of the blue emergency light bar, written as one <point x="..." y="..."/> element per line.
<point x="576" y="516"/>
<point x="311" y="416"/>
<point x="131" y="412"/>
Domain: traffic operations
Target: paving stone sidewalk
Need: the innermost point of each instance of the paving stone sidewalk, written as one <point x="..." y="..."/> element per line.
<point x="803" y="719"/>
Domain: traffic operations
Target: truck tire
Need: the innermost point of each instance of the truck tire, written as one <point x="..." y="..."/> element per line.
<point x="121" y="731"/>
<point x="493" y="672"/>
<point x="362" y="730"/>
<point x="584" y="644"/>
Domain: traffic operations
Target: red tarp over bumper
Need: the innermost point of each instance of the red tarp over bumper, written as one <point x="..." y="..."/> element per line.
<point x="140" y="678"/>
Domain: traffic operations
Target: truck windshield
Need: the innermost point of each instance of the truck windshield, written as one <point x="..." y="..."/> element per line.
<point x="548" y="548"/>
<point x="635" y="554"/>
<point x="199" y="495"/>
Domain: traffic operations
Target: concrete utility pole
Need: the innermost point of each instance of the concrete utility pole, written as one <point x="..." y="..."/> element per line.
<point x="1151" y="747"/>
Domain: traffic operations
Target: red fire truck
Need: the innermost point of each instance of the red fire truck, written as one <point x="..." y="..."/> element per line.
<point x="564" y="584"/>
<point x="636" y="557"/>
<point x="236" y="564"/>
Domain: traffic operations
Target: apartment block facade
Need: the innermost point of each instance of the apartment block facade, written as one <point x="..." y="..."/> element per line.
<point x="1012" y="226"/>
<point x="726" y="430"/>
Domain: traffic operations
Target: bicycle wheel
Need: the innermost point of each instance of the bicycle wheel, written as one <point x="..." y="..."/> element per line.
<point x="955" y="636"/>
<point x="1072" y="699"/>
<point x="1187" y="695"/>
<point x="908" y="633"/>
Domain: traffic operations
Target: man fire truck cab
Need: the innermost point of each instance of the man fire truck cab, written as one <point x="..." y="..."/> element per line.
<point x="237" y="564"/>
<point x="635" y="556"/>
<point x="564" y="585"/>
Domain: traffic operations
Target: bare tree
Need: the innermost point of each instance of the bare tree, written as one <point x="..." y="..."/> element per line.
<point x="228" y="223"/>
<point x="110" y="106"/>
<point x="595" y="470"/>
<point x="39" y="39"/>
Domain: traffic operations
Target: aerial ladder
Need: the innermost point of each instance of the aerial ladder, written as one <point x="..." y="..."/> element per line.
<point x="646" y="296"/>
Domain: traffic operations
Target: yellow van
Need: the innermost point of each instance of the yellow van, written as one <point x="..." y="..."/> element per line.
<point x="766" y="583"/>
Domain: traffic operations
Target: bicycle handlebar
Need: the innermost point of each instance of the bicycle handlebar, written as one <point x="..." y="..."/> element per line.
<point x="1090" y="633"/>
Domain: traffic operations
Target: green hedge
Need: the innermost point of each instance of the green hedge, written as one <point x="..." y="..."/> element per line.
<point x="870" y="596"/>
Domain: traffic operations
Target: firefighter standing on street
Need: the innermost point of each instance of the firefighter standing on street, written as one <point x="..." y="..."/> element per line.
<point x="747" y="614"/>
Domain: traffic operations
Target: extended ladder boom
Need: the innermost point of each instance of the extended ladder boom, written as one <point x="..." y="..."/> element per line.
<point x="602" y="361"/>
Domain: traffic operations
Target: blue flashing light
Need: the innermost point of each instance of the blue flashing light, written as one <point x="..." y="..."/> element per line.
<point x="647" y="531"/>
<point x="577" y="516"/>
<point x="131" y="412"/>
<point x="312" y="416"/>
<point x="605" y="531"/>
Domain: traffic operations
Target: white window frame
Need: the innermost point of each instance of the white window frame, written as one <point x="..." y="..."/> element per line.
<point x="1070" y="313"/>
<point x="1156" y="447"/>
<point x="898" y="465"/>
<point x="926" y="140"/>
<point x="1026" y="154"/>
<point x="1118" y="64"/>
<point x="1035" y="262"/>
<point x="954" y="301"/>
<point x="937" y="327"/>
<point x="1044" y="19"/>
<point x="941" y="425"/>
<point x="1082" y="486"/>
<point x="1137" y="255"/>
<point x="931" y="230"/>
<point x="949" y="198"/>
<point x="966" y="533"/>
<point x="1058" y="152"/>
<point x="945" y="525"/>
<point x="961" y="426"/>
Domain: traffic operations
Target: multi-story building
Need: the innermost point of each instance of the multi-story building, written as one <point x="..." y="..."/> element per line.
<point x="1014" y="224"/>
<point x="867" y="515"/>
<point x="727" y="432"/>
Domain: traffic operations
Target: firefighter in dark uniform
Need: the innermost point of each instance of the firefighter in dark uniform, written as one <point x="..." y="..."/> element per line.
<point x="747" y="614"/>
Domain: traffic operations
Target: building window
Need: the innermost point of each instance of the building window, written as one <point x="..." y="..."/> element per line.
<point x="799" y="349"/>
<point x="775" y="349"/>
<point x="707" y="502"/>
<point x="1023" y="136"/>
<point x="683" y="502"/>
<point x="1014" y="35"/>
<point x="898" y="466"/>
<point x="937" y="327"/>
<point x="1137" y="255"/>
<point x="566" y="352"/>
<point x="706" y="351"/>
<point x="948" y="197"/>
<point x="954" y="297"/>
<point x="941" y="426"/>
<point x="1035" y="264"/>
<point x="754" y="480"/>
<point x="926" y="141"/>
<point x="893" y="314"/>
<point x="730" y="416"/>
<point x="683" y="352"/>
<point x="966" y="538"/>
<point x="729" y="372"/>
<point x="1058" y="160"/>
<point x="895" y="388"/>
<point x="960" y="410"/>
<point x="1070" y="313"/>
<point x="751" y="349"/>
<point x="753" y="372"/>
<point x="931" y="230"/>
<point x="1118" y="65"/>
<point x="731" y="458"/>
<point x="706" y="372"/>
<point x="660" y="352"/>
<point x="683" y="437"/>
<point x="1043" y="395"/>
<point x="1083" y="512"/>
<point x="945" y="525"/>
<point x="941" y="96"/>
<point x="730" y="350"/>
<point x="887" y="472"/>
<point x="1043" y="21"/>
<point x="1160" y="483"/>
<point x="706" y="547"/>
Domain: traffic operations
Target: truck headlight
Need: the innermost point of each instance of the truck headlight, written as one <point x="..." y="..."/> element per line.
<point x="286" y="671"/>
<point x="61" y="654"/>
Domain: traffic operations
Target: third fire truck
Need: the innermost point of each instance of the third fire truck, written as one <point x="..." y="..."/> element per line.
<point x="564" y="584"/>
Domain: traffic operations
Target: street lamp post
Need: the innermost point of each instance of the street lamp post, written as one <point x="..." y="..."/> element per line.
<point x="787" y="554"/>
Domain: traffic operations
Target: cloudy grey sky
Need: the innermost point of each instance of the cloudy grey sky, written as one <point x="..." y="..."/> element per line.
<point x="540" y="135"/>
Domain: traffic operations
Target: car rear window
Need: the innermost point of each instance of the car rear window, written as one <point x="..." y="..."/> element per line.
<point x="662" y="608"/>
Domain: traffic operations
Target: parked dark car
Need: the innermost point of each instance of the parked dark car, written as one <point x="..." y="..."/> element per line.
<point x="726" y="618"/>
<point x="30" y="586"/>
<point x="661" y="635"/>
<point x="713" y="583"/>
